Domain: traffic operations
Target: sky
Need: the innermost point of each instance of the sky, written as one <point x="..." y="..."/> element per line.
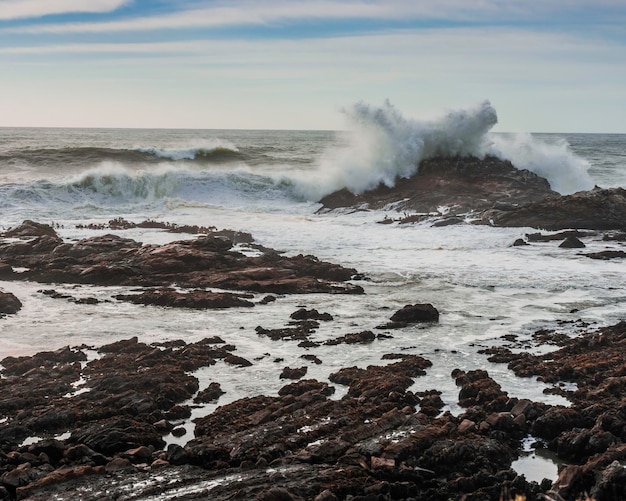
<point x="545" y="65"/>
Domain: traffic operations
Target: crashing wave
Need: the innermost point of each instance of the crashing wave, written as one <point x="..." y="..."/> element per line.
<point x="383" y="145"/>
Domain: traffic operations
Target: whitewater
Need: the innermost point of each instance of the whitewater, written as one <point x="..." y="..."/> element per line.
<point x="268" y="183"/>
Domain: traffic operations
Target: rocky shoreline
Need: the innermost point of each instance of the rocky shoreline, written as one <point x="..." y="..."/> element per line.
<point x="102" y="422"/>
<point x="99" y="422"/>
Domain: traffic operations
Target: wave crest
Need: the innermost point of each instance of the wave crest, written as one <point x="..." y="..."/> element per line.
<point x="217" y="152"/>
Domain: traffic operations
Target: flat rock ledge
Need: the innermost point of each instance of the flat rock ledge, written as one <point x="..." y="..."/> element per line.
<point x="103" y="427"/>
<point x="209" y="261"/>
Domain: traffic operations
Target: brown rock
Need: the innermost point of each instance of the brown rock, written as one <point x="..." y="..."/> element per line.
<point x="207" y="261"/>
<point x="211" y="393"/>
<point x="30" y="229"/>
<point x="296" y="373"/>
<point x="197" y="299"/>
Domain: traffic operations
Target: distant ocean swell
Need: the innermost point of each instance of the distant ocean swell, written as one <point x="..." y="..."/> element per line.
<point x="87" y="156"/>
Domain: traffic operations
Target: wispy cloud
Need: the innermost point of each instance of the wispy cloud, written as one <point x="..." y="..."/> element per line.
<point x="425" y="54"/>
<point x="247" y="12"/>
<point x="22" y="9"/>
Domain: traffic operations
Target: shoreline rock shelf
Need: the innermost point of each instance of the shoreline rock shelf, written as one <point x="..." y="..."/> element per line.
<point x="379" y="438"/>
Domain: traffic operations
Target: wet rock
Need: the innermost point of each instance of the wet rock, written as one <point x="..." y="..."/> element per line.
<point x="117" y="435"/>
<point x="176" y="455"/>
<point x="140" y="454"/>
<point x="377" y="382"/>
<point x="597" y="209"/>
<point x="520" y="242"/>
<point x="196" y="299"/>
<point x="300" y="332"/>
<point x="606" y="255"/>
<point x="364" y="337"/>
<point x="374" y="441"/>
<point x="30" y="229"/>
<point x="9" y="304"/>
<point x="477" y="388"/>
<point x="236" y="360"/>
<point x="561" y="235"/>
<point x="6" y="271"/>
<point x="572" y="243"/>
<point x="305" y="386"/>
<point x="211" y="393"/>
<point x="416" y="313"/>
<point x="311" y="358"/>
<point x="295" y="373"/>
<point x="304" y="314"/>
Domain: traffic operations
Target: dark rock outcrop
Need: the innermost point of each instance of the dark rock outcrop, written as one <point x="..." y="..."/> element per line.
<point x="597" y="209"/>
<point x="196" y="299"/>
<point x="492" y="190"/>
<point x="207" y="261"/>
<point x="463" y="184"/>
<point x="416" y="313"/>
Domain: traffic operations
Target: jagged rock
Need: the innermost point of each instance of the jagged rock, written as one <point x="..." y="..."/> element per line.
<point x="572" y="243"/>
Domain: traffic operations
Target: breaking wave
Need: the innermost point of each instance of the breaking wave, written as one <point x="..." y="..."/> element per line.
<point x="116" y="187"/>
<point x="383" y="145"/>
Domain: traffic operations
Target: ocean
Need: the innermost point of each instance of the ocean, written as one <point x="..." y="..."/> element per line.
<point x="268" y="183"/>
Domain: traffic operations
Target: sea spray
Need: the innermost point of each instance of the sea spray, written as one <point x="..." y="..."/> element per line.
<point x="383" y="145"/>
<point x="554" y="160"/>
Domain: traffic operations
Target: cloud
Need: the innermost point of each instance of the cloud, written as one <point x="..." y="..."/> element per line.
<point x="21" y="9"/>
<point x="248" y="12"/>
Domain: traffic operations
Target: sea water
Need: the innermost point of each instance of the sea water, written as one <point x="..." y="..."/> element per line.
<point x="268" y="183"/>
